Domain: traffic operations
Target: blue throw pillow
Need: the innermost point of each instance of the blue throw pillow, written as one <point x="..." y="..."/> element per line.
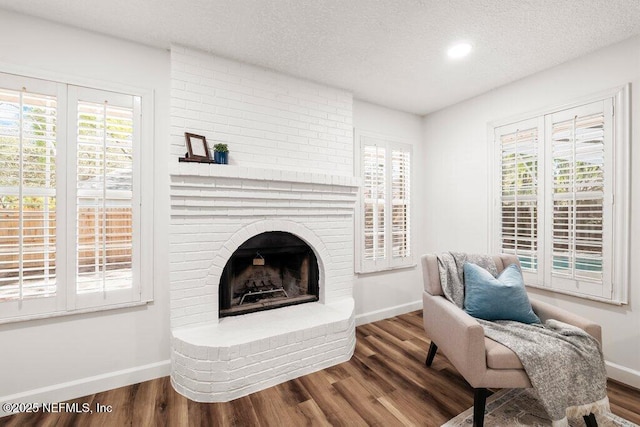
<point x="502" y="298"/>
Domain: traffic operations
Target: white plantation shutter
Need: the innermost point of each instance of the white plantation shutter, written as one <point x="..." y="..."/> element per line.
<point x="28" y="203"/>
<point x="401" y="203"/>
<point x="580" y="194"/>
<point x="557" y="174"/>
<point x="519" y="150"/>
<point x="105" y="201"/>
<point x="384" y="223"/>
<point x="374" y="201"/>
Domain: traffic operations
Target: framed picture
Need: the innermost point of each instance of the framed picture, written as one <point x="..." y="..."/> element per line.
<point x="197" y="148"/>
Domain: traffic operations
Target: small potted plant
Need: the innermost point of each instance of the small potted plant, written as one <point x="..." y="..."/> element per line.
<point x="220" y="154"/>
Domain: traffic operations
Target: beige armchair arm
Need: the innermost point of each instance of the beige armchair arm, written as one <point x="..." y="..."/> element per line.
<point x="458" y="335"/>
<point x="547" y="311"/>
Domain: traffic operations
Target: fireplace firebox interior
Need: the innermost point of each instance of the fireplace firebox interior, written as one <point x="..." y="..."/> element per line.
<point x="268" y="271"/>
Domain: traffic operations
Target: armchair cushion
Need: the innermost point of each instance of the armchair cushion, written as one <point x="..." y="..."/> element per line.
<point x="501" y="298"/>
<point x="500" y="357"/>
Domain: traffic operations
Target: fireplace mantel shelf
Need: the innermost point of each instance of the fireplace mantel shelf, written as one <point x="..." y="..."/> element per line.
<point x="260" y="174"/>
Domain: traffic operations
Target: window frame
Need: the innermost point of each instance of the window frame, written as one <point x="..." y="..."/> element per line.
<point x="620" y="198"/>
<point x="363" y="266"/>
<point x="66" y="300"/>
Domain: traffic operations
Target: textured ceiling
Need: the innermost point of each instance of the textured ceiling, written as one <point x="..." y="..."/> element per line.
<point x="390" y="52"/>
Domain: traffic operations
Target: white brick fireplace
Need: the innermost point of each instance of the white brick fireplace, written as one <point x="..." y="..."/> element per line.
<point x="291" y="156"/>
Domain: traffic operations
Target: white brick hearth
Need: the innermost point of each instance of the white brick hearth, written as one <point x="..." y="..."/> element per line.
<point x="291" y="152"/>
<point x="217" y="363"/>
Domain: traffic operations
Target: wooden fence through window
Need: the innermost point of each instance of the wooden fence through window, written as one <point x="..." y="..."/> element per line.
<point x="39" y="249"/>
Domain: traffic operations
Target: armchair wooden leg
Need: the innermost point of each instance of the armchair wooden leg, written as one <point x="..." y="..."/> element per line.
<point x="432" y="353"/>
<point x="590" y="420"/>
<point x="479" y="401"/>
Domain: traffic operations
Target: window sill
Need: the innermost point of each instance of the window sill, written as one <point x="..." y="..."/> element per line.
<point x="386" y="269"/>
<point x="70" y="313"/>
<point x="578" y="295"/>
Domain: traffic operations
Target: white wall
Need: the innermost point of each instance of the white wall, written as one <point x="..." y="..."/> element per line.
<point x="70" y="356"/>
<point x="456" y="169"/>
<point x="381" y="295"/>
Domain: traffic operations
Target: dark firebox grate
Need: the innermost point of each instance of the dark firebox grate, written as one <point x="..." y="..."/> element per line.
<point x="270" y="270"/>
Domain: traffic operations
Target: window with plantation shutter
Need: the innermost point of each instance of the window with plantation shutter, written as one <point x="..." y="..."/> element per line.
<point x="105" y="160"/>
<point x="28" y="204"/>
<point x="519" y="193"/>
<point x="374" y="201"/>
<point x="400" y="203"/>
<point x="559" y="173"/>
<point x="384" y="222"/>
<point x="580" y="195"/>
<point x="70" y="184"/>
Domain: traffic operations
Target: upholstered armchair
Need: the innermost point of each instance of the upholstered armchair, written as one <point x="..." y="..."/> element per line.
<point x="482" y="362"/>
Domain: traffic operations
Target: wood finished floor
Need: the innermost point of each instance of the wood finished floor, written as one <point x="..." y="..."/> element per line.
<point x="384" y="384"/>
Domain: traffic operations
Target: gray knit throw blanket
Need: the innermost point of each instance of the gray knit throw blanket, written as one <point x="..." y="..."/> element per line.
<point x="564" y="363"/>
<point x="451" y="269"/>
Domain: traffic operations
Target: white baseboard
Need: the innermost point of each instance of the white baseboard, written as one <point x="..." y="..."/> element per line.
<point x="623" y="374"/>
<point x="89" y="385"/>
<point x="385" y="313"/>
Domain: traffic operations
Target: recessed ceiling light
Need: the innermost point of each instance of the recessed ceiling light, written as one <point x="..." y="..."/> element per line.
<point x="459" y="50"/>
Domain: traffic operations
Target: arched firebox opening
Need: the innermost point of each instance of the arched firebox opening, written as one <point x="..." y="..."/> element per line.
<point x="270" y="270"/>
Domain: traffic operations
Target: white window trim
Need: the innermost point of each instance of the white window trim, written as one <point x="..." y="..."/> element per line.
<point x="621" y="190"/>
<point x="388" y="263"/>
<point x="146" y="176"/>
